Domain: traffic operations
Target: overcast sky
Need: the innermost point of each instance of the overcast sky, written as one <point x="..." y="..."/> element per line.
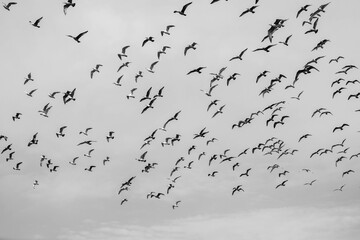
<point x="72" y="203"/>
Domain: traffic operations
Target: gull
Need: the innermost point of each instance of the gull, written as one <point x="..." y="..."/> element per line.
<point x="176" y="204"/>
<point x="107" y="159"/>
<point x="142" y="157"/>
<point x="262" y="74"/>
<point x="188" y="47"/>
<point x="61" y="132"/>
<point x="281" y="184"/>
<point x="235" y="165"/>
<point x="148" y="39"/>
<point x="42" y="159"/>
<point x="8" y="5"/>
<point x="283" y="173"/>
<point x="110" y="136"/>
<point x="89" y="153"/>
<point x="212" y="103"/>
<point x="54" y="169"/>
<point x="35" y="183"/>
<point x="246" y="173"/>
<point x="159" y="94"/>
<point x="69" y="96"/>
<point x="44" y="112"/>
<point x="152" y="67"/>
<point x="237" y="189"/>
<point x="336" y="59"/>
<point x="339" y="189"/>
<point x="90" y="168"/>
<point x="298" y="96"/>
<point x="201" y="154"/>
<point x="189" y="165"/>
<point x="162" y="51"/>
<point x="131" y="94"/>
<point x="208" y="93"/>
<point x="232" y="77"/>
<point x="8" y="147"/>
<point x="211" y="141"/>
<point x="220" y="110"/>
<point x="168" y="27"/>
<point x="10" y="157"/>
<point x="314" y="27"/>
<point x="34" y="140"/>
<point x="17" y="166"/>
<point x="17" y="116"/>
<point x="96" y="69"/>
<point x="77" y="38"/>
<point x="123" y="52"/>
<point x="28" y="78"/>
<point x="304" y="136"/>
<point x="125" y="64"/>
<point x="149" y="105"/>
<point x="302" y="9"/>
<point x="88" y="142"/>
<point x="347" y="172"/>
<point x="202" y="133"/>
<point x="249" y="10"/>
<point x="286" y="43"/>
<point x="36" y="23"/>
<point x="68" y="4"/>
<point x="193" y="147"/>
<point x="266" y="49"/>
<point x="212" y="174"/>
<point x="123" y="201"/>
<point x="73" y="161"/>
<point x="240" y="55"/>
<point x="123" y="189"/>
<point x="183" y="9"/>
<point x="147" y="95"/>
<point x="30" y="93"/>
<point x="117" y="83"/>
<point x="139" y="74"/>
<point x="86" y="131"/>
<point x="52" y="95"/>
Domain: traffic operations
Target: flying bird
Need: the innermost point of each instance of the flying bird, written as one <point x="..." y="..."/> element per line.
<point x="266" y="49"/>
<point x="188" y="47"/>
<point x="240" y="55"/>
<point x="77" y="37"/>
<point x="94" y="70"/>
<point x="340" y="127"/>
<point x="183" y="9"/>
<point x="281" y="184"/>
<point x="36" y="23"/>
<point x="68" y="4"/>
<point x="123" y="52"/>
<point x="8" y="5"/>
<point x="168" y="27"/>
<point x="249" y="10"/>
<point x="147" y="39"/>
<point x="196" y="70"/>
<point x="302" y="9"/>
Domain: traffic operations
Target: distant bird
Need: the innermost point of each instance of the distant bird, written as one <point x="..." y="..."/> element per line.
<point x="16" y="116"/>
<point x="176" y="204"/>
<point x="286" y="42"/>
<point x="237" y="189"/>
<point x="35" y="183"/>
<point x="338" y="91"/>
<point x="188" y="47"/>
<point x="304" y="136"/>
<point x="61" y="132"/>
<point x="298" y="96"/>
<point x="212" y="103"/>
<point x="340" y="127"/>
<point x="149" y="105"/>
<point x="94" y="70"/>
<point x="232" y="77"/>
<point x="220" y="110"/>
<point x="117" y="83"/>
<point x="336" y="59"/>
<point x="110" y="136"/>
<point x="123" y="52"/>
<point x="69" y="96"/>
<point x="142" y="157"/>
<point x="89" y="153"/>
<point x="30" y="93"/>
<point x="8" y="5"/>
<point x="87" y="142"/>
<point x="196" y="70"/>
<point x="7" y="148"/>
<point x="347" y="172"/>
<point x="262" y="74"/>
<point x="151" y="69"/>
<point x="68" y="4"/>
<point x="249" y="10"/>
<point x="131" y="94"/>
<point x="138" y="75"/>
<point x="357" y="95"/>
<point x="44" y="112"/>
<point x="125" y="64"/>
<point x="339" y="189"/>
<point x="86" y="132"/>
<point x="281" y="184"/>
<point x="240" y="55"/>
<point x="283" y="173"/>
<point x="183" y="9"/>
<point x="246" y="173"/>
<point x="73" y="161"/>
<point x="90" y="168"/>
<point x="302" y="9"/>
<point x="202" y="133"/>
<point x="147" y="39"/>
<point x="212" y="174"/>
<point x="17" y="166"/>
<point x="52" y="95"/>
<point x="266" y="49"/>
<point x="123" y="201"/>
<point x="310" y="183"/>
<point x="77" y="38"/>
<point x="10" y="157"/>
<point x="36" y="23"/>
<point x="34" y="140"/>
<point x="168" y="27"/>
<point x="28" y="78"/>
<point x="162" y="51"/>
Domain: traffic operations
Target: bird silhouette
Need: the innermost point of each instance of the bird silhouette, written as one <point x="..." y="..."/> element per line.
<point x="36" y="23"/>
<point x="8" y="5"/>
<point x="183" y="9"/>
<point x="77" y="37"/>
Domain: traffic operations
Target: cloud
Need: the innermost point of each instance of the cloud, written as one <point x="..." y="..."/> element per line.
<point x="277" y="223"/>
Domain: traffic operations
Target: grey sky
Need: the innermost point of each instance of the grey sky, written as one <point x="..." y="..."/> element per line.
<point x="76" y="204"/>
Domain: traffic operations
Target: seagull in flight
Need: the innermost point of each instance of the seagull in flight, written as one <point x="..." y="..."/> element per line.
<point x="183" y="9"/>
<point x="8" y="5"/>
<point x="77" y="38"/>
<point x="36" y="23"/>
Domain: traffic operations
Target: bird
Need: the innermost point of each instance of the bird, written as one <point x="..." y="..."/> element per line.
<point x="183" y="9"/>
<point x="151" y="69"/>
<point x="262" y="74"/>
<point x="125" y="64"/>
<point x="131" y="94"/>
<point x="73" y="161"/>
<point x="7" y="148"/>
<point x="286" y="42"/>
<point x="123" y="52"/>
<point x="16" y="116"/>
<point x="138" y="75"/>
<point x="30" y="93"/>
<point x="28" y="78"/>
<point x="94" y="70"/>
<point x="147" y="39"/>
<point x="35" y="183"/>
<point x="283" y="173"/>
<point x="202" y="133"/>
<point x="240" y="55"/>
<point x="212" y="174"/>
<point x="162" y="51"/>
<point x="266" y="49"/>
<point x="110" y="136"/>
<point x="338" y="91"/>
<point x="52" y="95"/>
<point x="8" y="5"/>
<point x="88" y="142"/>
<point x="123" y="201"/>
<point x="86" y="132"/>
<point x="77" y="37"/>
<point x="10" y="157"/>
<point x="33" y="140"/>
<point x="304" y="136"/>
<point x="142" y="157"/>
<point x="117" y="83"/>
<point x="68" y="4"/>
<point x="17" y="166"/>
<point x="212" y="103"/>
<point x="298" y="96"/>
<point x="90" y="168"/>
<point x="336" y="59"/>
<point x="237" y="189"/>
<point x="357" y="95"/>
<point x="190" y="46"/>
<point x="347" y="172"/>
<point x="232" y="77"/>
<point x="44" y="112"/>
<point x="246" y="173"/>
<point x="220" y="110"/>
<point x="340" y="188"/>
<point x="61" y="132"/>
<point x="36" y="23"/>
<point x="168" y="27"/>
<point x="302" y="9"/>
<point x="281" y="184"/>
<point x="54" y="169"/>
<point x="196" y="70"/>
<point x="340" y="127"/>
<point x="249" y="10"/>
<point x="149" y="105"/>
<point x="176" y="204"/>
<point x="69" y="96"/>
<point x="310" y="183"/>
<point x="89" y="153"/>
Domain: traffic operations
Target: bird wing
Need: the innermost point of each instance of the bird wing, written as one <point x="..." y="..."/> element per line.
<point x="185" y="7"/>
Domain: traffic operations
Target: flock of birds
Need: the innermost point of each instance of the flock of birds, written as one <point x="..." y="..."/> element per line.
<point x="272" y="115"/>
